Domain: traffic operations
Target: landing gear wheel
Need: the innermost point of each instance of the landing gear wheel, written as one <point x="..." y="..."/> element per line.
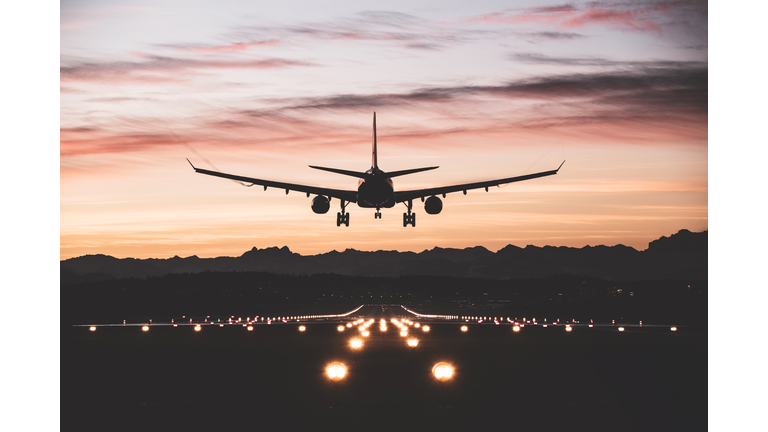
<point x="409" y="219"/>
<point x="377" y="215"/>
<point x="342" y="217"/>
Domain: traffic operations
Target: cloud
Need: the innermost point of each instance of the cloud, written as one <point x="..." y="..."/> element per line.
<point x="237" y="46"/>
<point x="533" y="58"/>
<point x="157" y="69"/>
<point x="641" y="16"/>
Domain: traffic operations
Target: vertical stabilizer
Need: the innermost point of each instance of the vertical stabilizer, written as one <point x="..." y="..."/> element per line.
<point x="374" y="161"/>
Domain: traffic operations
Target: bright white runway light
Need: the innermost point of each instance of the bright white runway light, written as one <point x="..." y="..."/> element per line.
<point x="568" y="328"/>
<point x="356" y="343"/>
<point x="425" y="329"/>
<point x="464" y="328"/>
<point x="621" y="329"/>
<point x="145" y="328"/>
<point x="516" y="328"/>
<point x="336" y="371"/>
<point x="302" y="328"/>
<point x="92" y="328"/>
<point x="340" y="328"/>
<point x="413" y="343"/>
<point x="250" y="328"/>
<point x="442" y="371"/>
<point x="198" y="328"/>
<point x="671" y="328"/>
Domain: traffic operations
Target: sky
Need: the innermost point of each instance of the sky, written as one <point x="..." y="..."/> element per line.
<point x="483" y="89"/>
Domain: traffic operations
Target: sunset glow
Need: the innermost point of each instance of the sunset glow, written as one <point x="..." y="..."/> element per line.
<point x="485" y="90"/>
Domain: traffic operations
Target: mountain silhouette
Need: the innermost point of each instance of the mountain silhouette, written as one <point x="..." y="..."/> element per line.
<point x="680" y="256"/>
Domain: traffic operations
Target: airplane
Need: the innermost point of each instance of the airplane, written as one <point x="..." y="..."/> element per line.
<point x="375" y="189"/>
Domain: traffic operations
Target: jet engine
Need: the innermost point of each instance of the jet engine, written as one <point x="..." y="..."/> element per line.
<point x="433" y="205"/>
<point x="320" y="204"/>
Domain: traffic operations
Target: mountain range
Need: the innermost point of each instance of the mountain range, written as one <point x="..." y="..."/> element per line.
<point x="680" y="256"/>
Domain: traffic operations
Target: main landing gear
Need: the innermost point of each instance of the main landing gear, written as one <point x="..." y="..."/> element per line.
<point x="409" y="218"/>
<point x="342" y="217"/>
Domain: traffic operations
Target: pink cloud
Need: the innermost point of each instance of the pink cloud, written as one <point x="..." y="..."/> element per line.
<point x="637" y="17"/>
<point x="238" y="46"/>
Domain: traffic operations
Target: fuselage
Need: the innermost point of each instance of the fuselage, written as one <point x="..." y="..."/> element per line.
<point x="376" y="191"/>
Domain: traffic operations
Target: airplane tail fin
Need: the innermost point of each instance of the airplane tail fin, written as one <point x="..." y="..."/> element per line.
<point x="374" y="159"/>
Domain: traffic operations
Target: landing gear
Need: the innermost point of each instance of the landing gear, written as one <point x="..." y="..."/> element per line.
<point x="377" y="215"/>
<point x="409" y="218"/>
<point x="342" y="217"/>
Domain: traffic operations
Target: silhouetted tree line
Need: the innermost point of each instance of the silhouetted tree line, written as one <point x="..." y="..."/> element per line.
<point x="250" y="293"/>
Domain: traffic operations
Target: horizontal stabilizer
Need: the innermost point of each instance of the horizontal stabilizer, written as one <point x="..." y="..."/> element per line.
<point x="341" y="171"/>
<point x="408" y="171"/>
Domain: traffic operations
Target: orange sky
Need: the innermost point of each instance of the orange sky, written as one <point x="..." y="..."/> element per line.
<point x="482" y="91"/>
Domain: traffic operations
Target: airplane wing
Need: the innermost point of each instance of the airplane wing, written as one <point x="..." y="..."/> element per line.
<point x="350" y="196"/>
<point x="403" y="196"/>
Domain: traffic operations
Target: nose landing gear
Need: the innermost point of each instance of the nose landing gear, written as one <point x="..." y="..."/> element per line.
<point x="377" y="215"/>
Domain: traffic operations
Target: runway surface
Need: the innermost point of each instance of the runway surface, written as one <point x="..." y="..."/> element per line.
<point x="226" y="377"/>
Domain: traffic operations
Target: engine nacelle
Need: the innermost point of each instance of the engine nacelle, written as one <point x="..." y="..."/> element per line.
<point x="433" y="205"/>
<point x="320" y="204"/>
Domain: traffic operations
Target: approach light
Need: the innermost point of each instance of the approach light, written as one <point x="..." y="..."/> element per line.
<point x="340" y="328"/>
<point x="417" y="325"/>
<point x="516" y="328"/>
<point x="464" y="328"/>
<point x="250" y="328"/>
<point x="568" y="328"/>
<point x="404" y="333"/>
<point x="349" y="325"/>
<point x="413" y="343"/>
<point x="425" y="329"/>
<point x="145" y="328"/>
<point x="92" y="328"/>
<point x="356" y="343"/>
<point x="336" y="371"/>
<point x="671" y="328"/>
<point x="442" y="371"/>
<point x="366" y="333"/>
<point x="198" y="328"/>
<point x="621" y="329"/>
<point x="302" y="328"/>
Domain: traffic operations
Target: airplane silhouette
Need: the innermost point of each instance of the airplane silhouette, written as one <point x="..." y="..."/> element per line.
<point x="375" y="189"/>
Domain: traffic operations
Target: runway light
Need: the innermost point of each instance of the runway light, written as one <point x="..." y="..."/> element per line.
<point x="302" y="328"/>
<point x="413" y="343"/>
<point x="340" y="328"/>
<point x="336" y="371"/>
<point x="403" y="333"/>
<point x="425" y="329"/>
<point x="145" y="328"/>
<point x="442" y="371"/>
<point x="417" y="325"/>
<point x="569" y="328"/>
<point x="349" y="325"/>
<point x="366" y="333"/>
<point x="671" y="328"/>
<point x="516" y="328"/>
<point x="464" y="328"/>
<point x="197" y="328"/>
<point x="250" y="328"/>
<point x="621" y="329"/>
<point x="356" y="343"/>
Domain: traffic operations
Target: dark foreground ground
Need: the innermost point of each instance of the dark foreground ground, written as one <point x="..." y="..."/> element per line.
<point x="228" y="378"/>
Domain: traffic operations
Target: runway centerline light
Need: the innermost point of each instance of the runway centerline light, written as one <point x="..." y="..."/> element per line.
<point x="442" y="371"/>
<point x="336" y="371"/>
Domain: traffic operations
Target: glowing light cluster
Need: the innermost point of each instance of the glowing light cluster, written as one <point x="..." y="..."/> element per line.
<point x="516" y="328"/>
<point x="413" y="343"/>
<point x="92" y="328"/>
<point x="145" y="328"/>
<point x="673" y="328"/>
<point x="340" y="328"/>
<point x="302" y="328"/>
<point x="442" y="371"/>
<point x="425" y="329"/>
<point x="198" y="328"/>
<point x="356" y="343"/>
<point x="464" y="328"/>
<point x="249" y="328"/>
<point x="621" y="329"/>
<point x="336" y="371"/>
